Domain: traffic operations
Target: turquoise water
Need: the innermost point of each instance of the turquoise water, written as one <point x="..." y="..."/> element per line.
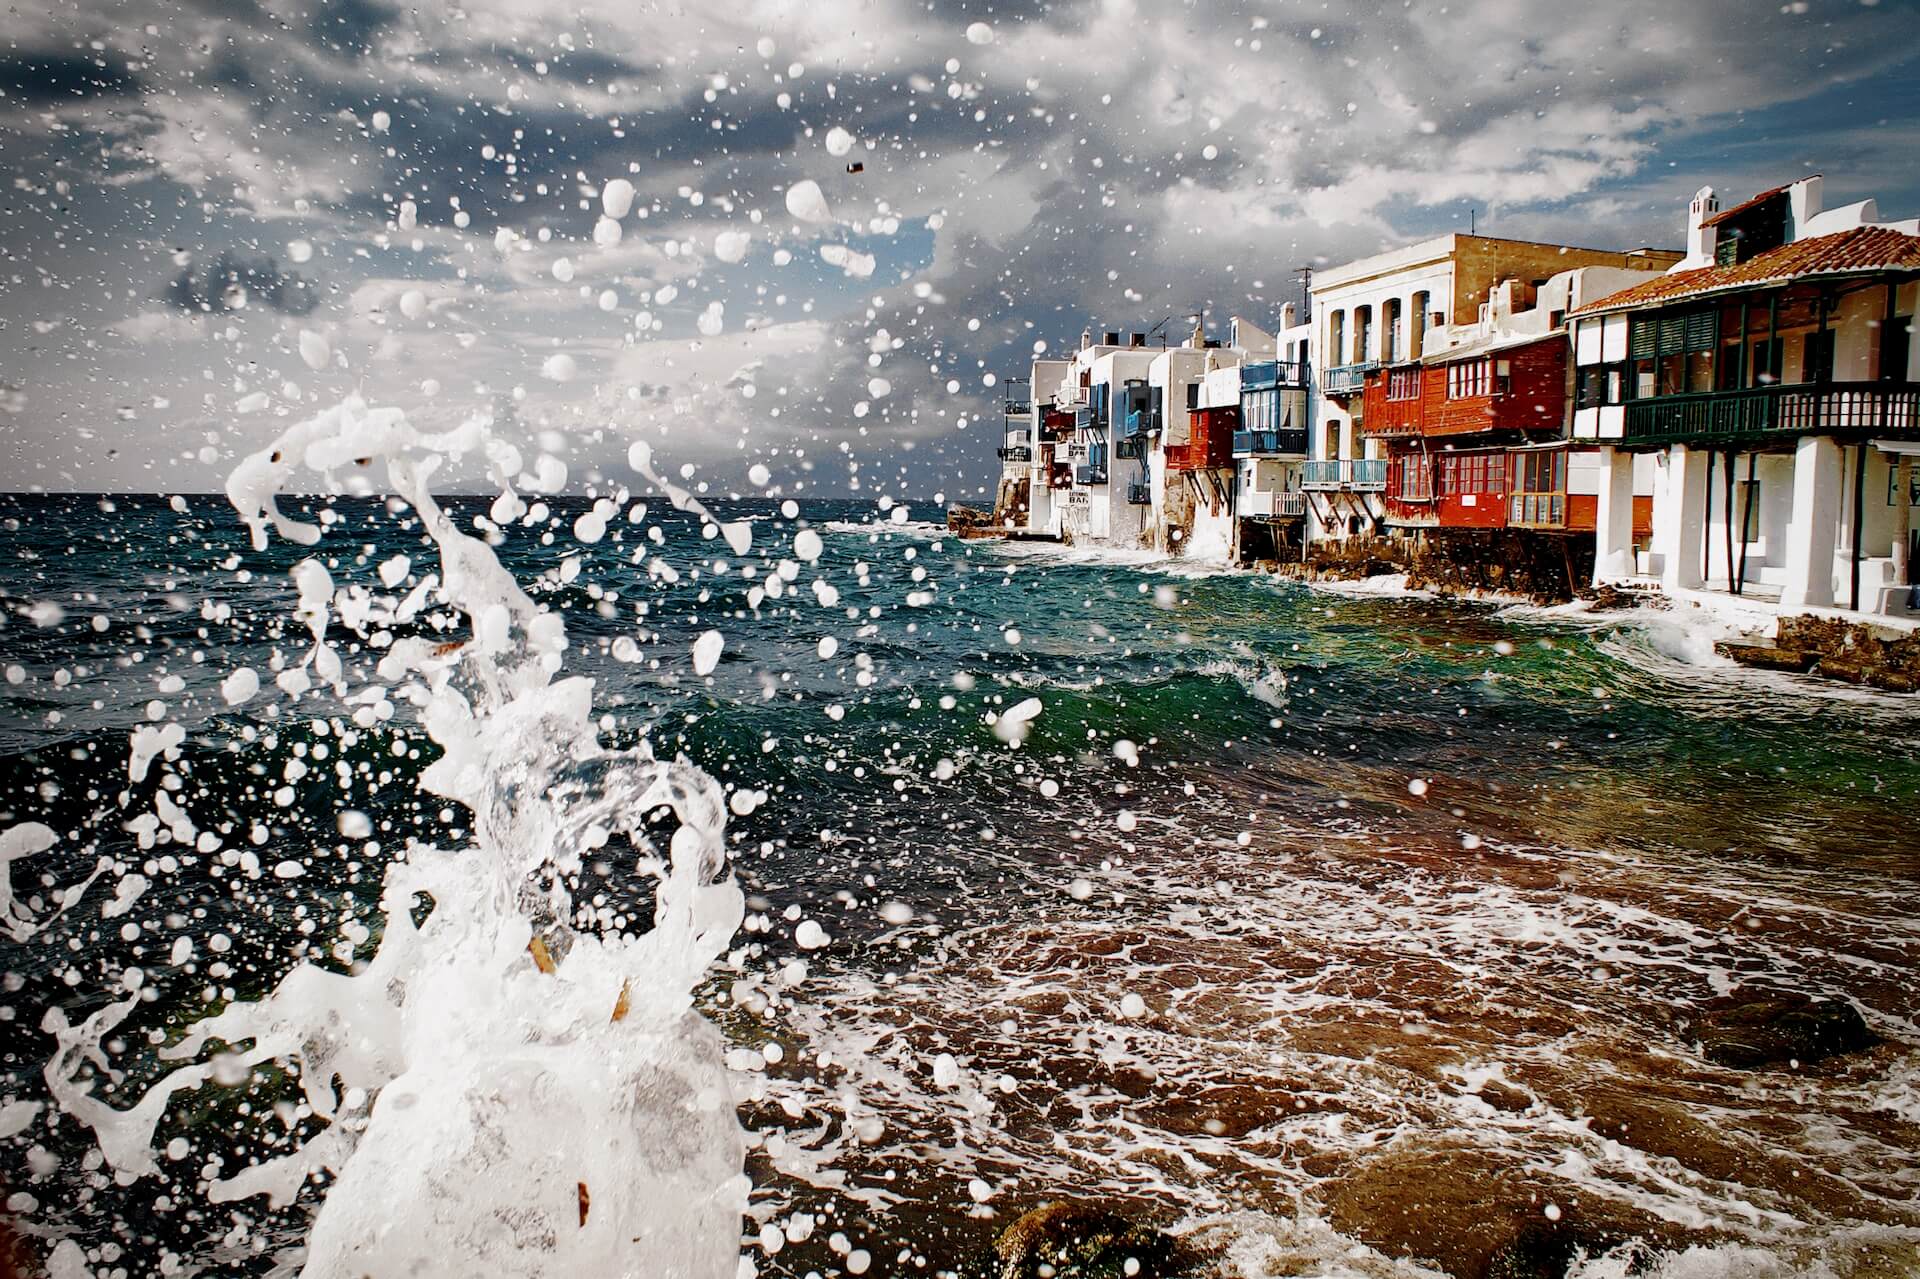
<point x="1281" y="885"/>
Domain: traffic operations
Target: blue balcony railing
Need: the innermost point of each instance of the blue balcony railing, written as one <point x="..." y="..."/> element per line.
<point x="1347" y="379"/>
<point x="1138" y="421"/>
<point x="1089" y="475"/>
<point x="1327" y="474"/>
<point x="1251" y="442"/>
<point x="1264" y="375"/>
<point x="1366" y="474"/>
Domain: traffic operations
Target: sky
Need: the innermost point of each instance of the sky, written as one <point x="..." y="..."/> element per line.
<point x="222" y="216"/>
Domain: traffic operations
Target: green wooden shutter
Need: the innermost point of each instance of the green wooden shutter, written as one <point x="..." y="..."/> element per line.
<point x="1642" y="336"/>
<point x="1703" y="330"/>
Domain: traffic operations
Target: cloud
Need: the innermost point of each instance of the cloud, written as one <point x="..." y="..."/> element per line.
<point x="1100" y="161"/>
<point x="234" y="281"/>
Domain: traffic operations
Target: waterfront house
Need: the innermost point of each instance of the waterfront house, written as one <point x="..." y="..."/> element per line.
<point x="1271" y="443"/>
<point x="1377" y="312"/>
<point x="1193" y="401"/>
<point x="1475" y="431"/>
<point x="1761" y="396"/>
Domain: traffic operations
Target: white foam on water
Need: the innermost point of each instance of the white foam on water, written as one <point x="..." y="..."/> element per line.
<point x="539" y="1098"/>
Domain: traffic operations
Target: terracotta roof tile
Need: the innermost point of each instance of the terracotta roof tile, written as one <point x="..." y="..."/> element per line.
<point x="1861" y="251"/>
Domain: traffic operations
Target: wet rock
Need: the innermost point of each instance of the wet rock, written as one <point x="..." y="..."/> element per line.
<point x="1754" y="1029"/>
<point x="1067" y="1240"/>
<point x="1764" y="655"/>
<point x="1473" y="1217"/>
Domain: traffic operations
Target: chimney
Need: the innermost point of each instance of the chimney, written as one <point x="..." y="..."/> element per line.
<point x="1198" y="340"/>
<point x="1803" y="203"/>
<point x="1700" y="237"/>
<point x="1286" y="316"/>
<point x="1136" y="339"/>
<point x="1086" y="338"/>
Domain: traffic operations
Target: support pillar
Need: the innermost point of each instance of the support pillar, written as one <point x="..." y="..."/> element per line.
<point x="1902" y="519"/>
<point x="1679" y="528"/>
<point x="1812" y="534"/>
<point x="1613" y="518"/>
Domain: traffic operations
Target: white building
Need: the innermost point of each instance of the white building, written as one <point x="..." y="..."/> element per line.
<point x="1377" y="312"/>
<point x="1759" y="408"/>
<point x="1271" y="443"/>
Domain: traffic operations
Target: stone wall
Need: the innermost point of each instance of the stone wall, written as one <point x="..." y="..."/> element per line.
<point x="1456" y="562"/>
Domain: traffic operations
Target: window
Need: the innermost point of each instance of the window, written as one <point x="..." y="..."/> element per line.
<point x="1417" y="324"/>
<point x="1390" y="330"/>
<point x="1362" y="333"/>
<point x="1193" y="396"/>
<point x="1819" y="357"/>
<point x="1336" y="338"/>
<point x="1895" y="340"/>
<point x="1403" y="384"/>
<point x="1475" y="473"/>
<point x="1541" y="472"/>
<point x="1469" y="378"/>
<point x="1412" y="479"/>
<point x="1600" y="385"/>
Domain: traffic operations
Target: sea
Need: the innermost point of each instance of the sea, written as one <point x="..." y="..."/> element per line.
<point x="1332" y="930"/>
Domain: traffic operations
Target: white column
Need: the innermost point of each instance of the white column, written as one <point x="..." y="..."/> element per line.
<point x="1902" y="519"/>
<point x="1613" y="518"/>
<point x="1812" y="533"/>
<point x="1678" y="534"/>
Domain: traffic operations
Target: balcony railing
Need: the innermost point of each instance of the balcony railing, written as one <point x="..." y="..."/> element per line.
<point x="1274" y="504"/>
<point x="1130" y="447"/>
<point x="1017" y="408"/>
<point x="1366" y="474"/>
<point x="1329" y="474"/>
<point x="1015" y="453"/>
<point x="1248" y="442"/>
<point x="1794" y="409"/>
<point x="1084" y="418"/>
<point x="1140" y="494"/>
<point x="1347" y="379"/>
<point x="1537" y="510"/>
<point x="1089" y="475"/>
<point x="1265" y="374"/>
<point x="1138" y="421"/>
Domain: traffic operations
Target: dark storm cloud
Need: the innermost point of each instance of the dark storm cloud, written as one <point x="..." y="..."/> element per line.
<point x="51" y="78"/>
<point x="234" y="280"/>
<point x="350" y="26"/>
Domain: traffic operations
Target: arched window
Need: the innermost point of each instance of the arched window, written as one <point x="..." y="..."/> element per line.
<point x="1390" y="347"/>
<point x="1336" y="339"/>
<point x="1417" y="324"/>
<point x="1362" y="333"/>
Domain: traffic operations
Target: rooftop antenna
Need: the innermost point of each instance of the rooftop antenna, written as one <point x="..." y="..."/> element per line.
<point x="1472" y="220"/>
<point x="1161" y="329"/>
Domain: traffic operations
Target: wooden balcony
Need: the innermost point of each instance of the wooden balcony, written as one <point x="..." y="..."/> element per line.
<point x="1273" y="505"/>
<point x="1264" y="375"/>
<point x="1251" y="443"/>
<point x="1890" y="409"/>
<point x="1360" y="474"/>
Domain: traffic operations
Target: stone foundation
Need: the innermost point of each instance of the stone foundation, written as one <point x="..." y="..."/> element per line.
<point x="1541" y="567"/>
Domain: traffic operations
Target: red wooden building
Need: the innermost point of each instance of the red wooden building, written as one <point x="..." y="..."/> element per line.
<point x="1475" y="437"/>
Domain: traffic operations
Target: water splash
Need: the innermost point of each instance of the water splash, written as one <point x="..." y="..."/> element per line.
<point x="539" y="1093"/>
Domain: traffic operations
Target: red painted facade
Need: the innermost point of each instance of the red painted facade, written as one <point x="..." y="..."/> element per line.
<point x="1428" y="416"/>
<point x="1209" y="442"/>
<point x="1520" y="388"/>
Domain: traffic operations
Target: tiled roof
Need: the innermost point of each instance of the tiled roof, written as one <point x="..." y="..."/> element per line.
<point x="1861" y="251"/>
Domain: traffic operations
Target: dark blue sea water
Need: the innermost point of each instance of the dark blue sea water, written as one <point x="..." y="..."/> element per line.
<point x="1287" y="893"/>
